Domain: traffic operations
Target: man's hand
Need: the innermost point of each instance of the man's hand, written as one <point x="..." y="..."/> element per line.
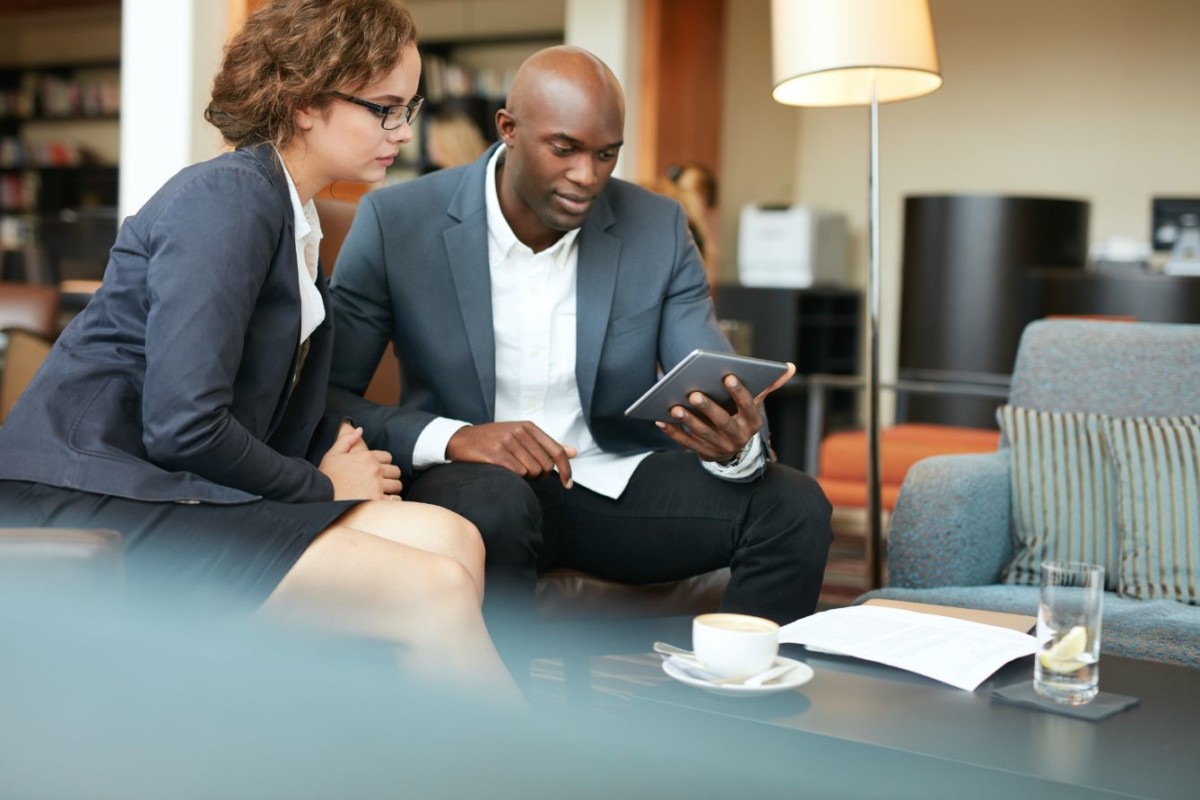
<point x="711" y="432"/>
<point x="358" y="473"/>
<point x="520" y="447"/>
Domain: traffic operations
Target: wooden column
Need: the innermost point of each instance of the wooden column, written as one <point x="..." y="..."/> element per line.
<point x="682" y="89"/>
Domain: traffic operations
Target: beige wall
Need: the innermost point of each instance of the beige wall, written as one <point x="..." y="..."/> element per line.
<point x="1091" y="99"/>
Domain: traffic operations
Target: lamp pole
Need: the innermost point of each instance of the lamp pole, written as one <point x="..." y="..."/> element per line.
<point x="850" y="53"/>
<point x="874" y="477"/>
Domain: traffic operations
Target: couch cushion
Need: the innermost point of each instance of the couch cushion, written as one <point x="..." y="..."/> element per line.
<point x="1061" y="493"/>
<point x="1157" y="469"/>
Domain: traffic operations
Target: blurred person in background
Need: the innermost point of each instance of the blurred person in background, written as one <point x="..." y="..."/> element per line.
<point x="452" y="139"/>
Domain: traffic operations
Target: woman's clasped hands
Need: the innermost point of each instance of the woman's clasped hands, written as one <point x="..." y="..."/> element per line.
<point x="357" y="472"/>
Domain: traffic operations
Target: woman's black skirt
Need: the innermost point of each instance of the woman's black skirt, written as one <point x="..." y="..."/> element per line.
<point x="205" y="552"/>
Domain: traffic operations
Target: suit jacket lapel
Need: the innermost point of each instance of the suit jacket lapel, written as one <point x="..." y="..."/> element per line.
<point x="596" y="280"/>
<point x="467" y="254"/>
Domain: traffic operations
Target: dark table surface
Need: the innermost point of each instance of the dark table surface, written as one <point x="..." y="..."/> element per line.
<point x="858" y="727"/>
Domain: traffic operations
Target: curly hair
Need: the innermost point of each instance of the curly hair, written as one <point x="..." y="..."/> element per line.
<point x="294" y="53"/>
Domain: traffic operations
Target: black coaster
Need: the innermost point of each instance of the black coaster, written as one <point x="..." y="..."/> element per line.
<point x="1103" y="706"/>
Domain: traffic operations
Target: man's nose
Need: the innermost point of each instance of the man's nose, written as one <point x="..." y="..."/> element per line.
<point x="583" y="171"/>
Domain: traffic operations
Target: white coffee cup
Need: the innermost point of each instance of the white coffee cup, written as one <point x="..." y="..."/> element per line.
<point x="735" y="645"/>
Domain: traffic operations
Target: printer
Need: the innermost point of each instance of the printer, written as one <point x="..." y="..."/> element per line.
<point x="791" y="246"/>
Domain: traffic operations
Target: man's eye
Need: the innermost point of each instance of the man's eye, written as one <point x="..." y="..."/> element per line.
<point x="606" y="155"/>
<point x="559" y="150"/>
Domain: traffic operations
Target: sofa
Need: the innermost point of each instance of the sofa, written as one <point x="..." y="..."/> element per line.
<point x="953" y="537"/>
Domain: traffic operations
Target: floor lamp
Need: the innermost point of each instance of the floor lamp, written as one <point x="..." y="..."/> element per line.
<point x="850" y="53"/>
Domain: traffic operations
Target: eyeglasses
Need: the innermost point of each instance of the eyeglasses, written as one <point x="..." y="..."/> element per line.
<point x="390" y="117"/>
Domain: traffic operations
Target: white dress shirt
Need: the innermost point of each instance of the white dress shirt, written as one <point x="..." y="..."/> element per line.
<point x="533" y="316"/>
<point x="308" y="242"/>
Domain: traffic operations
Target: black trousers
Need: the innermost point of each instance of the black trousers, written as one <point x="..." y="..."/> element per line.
<point x="674" y="520"/>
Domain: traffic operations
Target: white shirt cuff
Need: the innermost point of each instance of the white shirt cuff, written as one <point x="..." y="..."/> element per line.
<point x="430" y="449"/>
<point x="748" y="462"/>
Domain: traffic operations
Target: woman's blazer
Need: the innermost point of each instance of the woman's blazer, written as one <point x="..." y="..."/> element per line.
<point x="175" y="382"/>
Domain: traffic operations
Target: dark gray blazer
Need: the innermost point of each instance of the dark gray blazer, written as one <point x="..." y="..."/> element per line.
<point x="173" y="384"/>
<point x="414" y="269"/>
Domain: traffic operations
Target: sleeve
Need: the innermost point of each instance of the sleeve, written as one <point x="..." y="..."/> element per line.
<point x="690" y="321"/>
<point x="209" y="252"/>
<point x="745" y="467"/>
<point x="362" y="312"/>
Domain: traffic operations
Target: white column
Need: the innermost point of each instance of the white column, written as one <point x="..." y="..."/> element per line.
<point x="612" y="29"/>
<point x="170" y="50"/>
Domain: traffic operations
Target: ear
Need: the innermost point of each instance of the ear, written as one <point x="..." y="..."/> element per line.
<point x="506" y="127"/>
<point x="304" y="117"/>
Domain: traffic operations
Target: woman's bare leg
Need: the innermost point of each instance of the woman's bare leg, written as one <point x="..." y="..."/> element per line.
<point x="360" y="584"/>
<point x="425" y="527"/>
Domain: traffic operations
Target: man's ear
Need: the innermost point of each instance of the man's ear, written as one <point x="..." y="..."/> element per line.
<point x="506" y="127"/>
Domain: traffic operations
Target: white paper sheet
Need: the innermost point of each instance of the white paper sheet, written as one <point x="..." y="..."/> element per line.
<point x="954" y="651"/>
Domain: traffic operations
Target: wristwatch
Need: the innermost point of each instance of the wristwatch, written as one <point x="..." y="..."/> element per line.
<point x="729" y="462"/>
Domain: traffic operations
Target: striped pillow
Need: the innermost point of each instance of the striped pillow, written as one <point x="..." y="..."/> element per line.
<point x="1061" y="493"/>
<point x="1158" y="494"/>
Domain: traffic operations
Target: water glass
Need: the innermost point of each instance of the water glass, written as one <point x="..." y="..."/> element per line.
<point x="1067" y="666"/>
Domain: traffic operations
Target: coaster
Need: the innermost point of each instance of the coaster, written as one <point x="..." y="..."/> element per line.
<point x="1105" y="705"/>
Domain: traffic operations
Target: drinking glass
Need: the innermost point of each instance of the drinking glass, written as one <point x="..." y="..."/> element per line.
<point x="1067" y="666"/>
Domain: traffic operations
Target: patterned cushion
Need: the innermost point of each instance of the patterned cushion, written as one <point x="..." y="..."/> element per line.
<point x="1158" y="494"/>
<point x="1062" y="506"/>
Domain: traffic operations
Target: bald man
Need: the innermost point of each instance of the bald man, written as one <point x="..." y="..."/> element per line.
<point x="531" y="299"/>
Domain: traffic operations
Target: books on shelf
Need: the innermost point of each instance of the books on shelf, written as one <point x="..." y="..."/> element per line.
<point x="19" y="191"/>
<point x="446" y="79"/>
<point x="16" y="153"/>
<point x="46" y="95"/>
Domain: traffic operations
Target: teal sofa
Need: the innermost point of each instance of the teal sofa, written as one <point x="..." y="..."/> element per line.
<point x="950" y="537"/>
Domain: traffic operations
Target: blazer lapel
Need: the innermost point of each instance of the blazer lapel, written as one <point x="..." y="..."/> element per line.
<point x="467" y="254"/>
<point x="596" y="280"/>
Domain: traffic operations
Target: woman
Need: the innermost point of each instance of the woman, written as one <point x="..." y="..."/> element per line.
<point x="184" y="406"/>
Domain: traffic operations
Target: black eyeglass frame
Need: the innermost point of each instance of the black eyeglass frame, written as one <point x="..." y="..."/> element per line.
<point x="411" y="108"/>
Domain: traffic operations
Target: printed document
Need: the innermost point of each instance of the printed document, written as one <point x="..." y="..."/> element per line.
<point x="954" y="651"/>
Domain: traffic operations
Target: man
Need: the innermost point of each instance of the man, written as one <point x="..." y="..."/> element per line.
<point x="531" y="300"/>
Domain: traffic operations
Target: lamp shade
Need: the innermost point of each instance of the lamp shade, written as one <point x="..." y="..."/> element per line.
<point x="831" y="52"/>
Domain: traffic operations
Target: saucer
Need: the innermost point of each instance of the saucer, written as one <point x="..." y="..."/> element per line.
<point x="802" y="673"/>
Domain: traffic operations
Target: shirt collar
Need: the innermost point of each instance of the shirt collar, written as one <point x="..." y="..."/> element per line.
<point x="307" y="220"/>
<point x="501" y="233"/>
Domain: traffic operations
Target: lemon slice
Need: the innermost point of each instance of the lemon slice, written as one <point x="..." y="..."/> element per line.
<point x="1063" y="655"/>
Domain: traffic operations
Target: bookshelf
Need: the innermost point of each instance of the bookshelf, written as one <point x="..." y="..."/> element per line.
<point x="471" y="76"/>
<point x="50" y="117"/>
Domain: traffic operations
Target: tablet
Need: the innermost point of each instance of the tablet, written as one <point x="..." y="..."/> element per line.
<point x="704" y="371"/>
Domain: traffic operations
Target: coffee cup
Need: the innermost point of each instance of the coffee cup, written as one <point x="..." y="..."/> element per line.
<point x="735" y="645"/>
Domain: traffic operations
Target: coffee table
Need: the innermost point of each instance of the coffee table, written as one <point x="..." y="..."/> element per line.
<point x="864" y="729"/>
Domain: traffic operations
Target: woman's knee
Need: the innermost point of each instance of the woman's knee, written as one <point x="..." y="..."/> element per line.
<point x="464" y="538"/>
<point x="450" y="587"/>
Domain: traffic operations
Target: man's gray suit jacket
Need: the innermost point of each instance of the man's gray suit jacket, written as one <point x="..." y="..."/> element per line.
<point x="414" y="269"/>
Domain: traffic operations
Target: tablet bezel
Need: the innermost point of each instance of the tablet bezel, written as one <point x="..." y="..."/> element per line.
<point x="704" y="371"/>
